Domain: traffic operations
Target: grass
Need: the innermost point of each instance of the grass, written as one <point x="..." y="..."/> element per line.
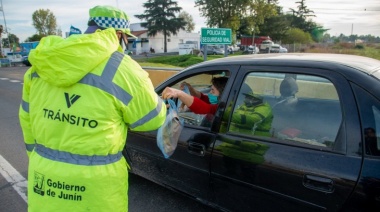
<point x="183" y="61"/>
<point x="177" y="61"/>
<point x="366" y="50"/>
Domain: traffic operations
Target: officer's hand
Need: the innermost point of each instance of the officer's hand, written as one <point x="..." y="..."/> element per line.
<point x="170" y="93"/>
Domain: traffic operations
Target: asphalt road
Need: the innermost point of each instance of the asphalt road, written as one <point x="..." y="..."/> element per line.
<point x="143" y="195"/>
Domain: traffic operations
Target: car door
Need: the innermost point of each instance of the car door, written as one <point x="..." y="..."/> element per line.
<point x="187" y="170"/>
<point x="302" y="164"/>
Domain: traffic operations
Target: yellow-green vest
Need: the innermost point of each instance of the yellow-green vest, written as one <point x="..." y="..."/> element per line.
<point x="79" y="98"/>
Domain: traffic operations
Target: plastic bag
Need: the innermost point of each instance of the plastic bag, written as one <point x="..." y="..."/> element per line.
<point x="182" y="108"/>
<point x="168" y="134"/>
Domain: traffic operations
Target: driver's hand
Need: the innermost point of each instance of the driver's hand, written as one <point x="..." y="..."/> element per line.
<point x="183" y="84"/>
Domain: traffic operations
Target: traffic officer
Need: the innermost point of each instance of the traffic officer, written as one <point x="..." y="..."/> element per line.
<point x="253" y="117"/>
<point x="79" y="98"/>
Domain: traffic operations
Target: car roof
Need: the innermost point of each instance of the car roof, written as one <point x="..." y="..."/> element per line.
<point x="364" y="64"/>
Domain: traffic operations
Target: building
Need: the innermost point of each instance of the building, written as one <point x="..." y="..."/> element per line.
<point x="144" y="43"/>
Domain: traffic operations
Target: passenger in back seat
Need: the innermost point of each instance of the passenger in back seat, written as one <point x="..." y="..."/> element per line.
<point x="253" y="117"/>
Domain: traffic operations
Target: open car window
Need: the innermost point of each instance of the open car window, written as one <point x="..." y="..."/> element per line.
<point x="202" y="83"/>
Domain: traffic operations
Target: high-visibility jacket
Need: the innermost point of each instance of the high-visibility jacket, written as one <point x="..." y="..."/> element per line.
<point x="79" y="98"/>
<point x="255" y="120"/>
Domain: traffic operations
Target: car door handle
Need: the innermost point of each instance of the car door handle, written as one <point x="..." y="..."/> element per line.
<point x="196" y="149"/>
<point x="318" y="183"/>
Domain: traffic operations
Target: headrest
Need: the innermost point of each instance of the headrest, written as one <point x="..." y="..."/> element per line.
<point x="288" y="87"/>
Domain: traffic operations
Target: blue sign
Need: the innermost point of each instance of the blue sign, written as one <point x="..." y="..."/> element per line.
<point x="74" y="30"/>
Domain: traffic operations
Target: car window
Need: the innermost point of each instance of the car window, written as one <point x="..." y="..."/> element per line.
<point x="202" y="83"/>
<point x="292" y="108"/>
<point x="370" y="117"/>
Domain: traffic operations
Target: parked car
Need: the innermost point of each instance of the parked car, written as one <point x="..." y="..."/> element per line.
<point x="214" y="50"/>
<point x="275" y="48"/>
<point x="322" y="152"/>
<point x="283" y="50"/>
<point x="233" y="48"/>
<point x="251" y="50"/>
<point x="265" y="46"/>
<point x="25" y="61"/>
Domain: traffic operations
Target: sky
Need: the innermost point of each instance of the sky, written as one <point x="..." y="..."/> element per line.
<point x="361" y="17"/>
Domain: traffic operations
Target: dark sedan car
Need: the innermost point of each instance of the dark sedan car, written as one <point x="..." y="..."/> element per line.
<point x="322" y="152"/>
<point x="25" y="61"/>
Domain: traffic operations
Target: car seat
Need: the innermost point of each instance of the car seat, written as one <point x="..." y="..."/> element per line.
<point x="285" y="108"/>
<point x="287" y="101"/>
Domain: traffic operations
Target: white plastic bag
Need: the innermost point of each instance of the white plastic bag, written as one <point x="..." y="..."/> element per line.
<point x="168" y="134"/>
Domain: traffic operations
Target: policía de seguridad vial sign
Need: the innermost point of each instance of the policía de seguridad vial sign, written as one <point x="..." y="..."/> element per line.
<point x="216" y="36"/>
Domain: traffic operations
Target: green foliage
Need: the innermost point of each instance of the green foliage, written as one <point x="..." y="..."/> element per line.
<point x="359" y="46"/>
<point x="368" y="50"/>
<point x="296" y="35"/>
<point x="303" y="12"/>
<point x="45" y="22"/>
<point x="160" y="16"/>
<point x="275" y="27"/>
<point x="177" y="61"/>
<point x="190" y="25"/>
<point x="12" y="38"/>
<point x="34" y="37"/>
<point x="318" y="33"/>
<point x="241" y="16"/>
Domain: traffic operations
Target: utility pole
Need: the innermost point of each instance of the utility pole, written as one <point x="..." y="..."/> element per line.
<point x="352" y="29"/>
<point x="5" y="22"/>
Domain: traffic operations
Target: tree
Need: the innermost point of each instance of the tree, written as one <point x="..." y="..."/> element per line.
<point x="317" y="33"/>
<point x="276" y="26"/>
<point x="301" y="20"/>
<point x="241" y="16"/>
<point x="12" y="38"/>
<point x="45" y="22"/>
<point x="190" y="25"/>
<point x="296" y="35"/>
<point x="34" y="37"/>
<point x="302" y="12"/>
<point x="160" y="17"/>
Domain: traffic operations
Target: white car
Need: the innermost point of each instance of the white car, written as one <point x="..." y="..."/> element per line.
<point x="253" y="49"/>
<point x="265" y="46"/>
<point x="283" y="50"/>
<point x="233" y="48"/>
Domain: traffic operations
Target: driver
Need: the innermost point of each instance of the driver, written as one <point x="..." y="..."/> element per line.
<point x="198" y="103"/>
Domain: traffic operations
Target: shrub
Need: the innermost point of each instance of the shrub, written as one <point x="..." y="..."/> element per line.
<point x="359" y="46"/>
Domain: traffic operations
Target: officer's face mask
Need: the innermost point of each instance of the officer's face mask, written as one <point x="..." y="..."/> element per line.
<point x="213" y="99"/>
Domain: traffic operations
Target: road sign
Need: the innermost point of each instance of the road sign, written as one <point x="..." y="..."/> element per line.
<point x="216" y="36"/>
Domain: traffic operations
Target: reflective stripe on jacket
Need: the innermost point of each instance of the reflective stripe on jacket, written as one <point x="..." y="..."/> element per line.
<point x="255" y="120"/>
<point x="79" y="99"/>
